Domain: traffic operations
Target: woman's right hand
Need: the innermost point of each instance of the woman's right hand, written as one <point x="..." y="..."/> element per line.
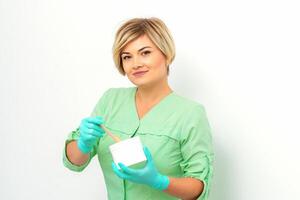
<point x="90" y="132"/>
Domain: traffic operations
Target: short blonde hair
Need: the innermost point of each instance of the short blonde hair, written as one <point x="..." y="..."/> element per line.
<point x="154" y="28"/>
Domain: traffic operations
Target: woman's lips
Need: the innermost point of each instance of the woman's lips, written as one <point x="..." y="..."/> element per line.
<point x="139" y="74"/>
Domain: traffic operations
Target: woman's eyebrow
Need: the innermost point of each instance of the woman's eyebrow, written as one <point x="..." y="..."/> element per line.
<point x="141" y="49"/>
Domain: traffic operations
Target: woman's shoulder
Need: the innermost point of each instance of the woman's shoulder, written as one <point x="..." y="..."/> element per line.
<point x="119" y="91"/>
<point x="186" y="103"/>
<point x="192" y="111"/>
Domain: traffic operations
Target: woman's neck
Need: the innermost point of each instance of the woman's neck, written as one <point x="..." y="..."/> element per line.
<point x="153" y="93"/>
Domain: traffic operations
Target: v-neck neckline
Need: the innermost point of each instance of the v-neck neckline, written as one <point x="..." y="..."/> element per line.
<point x="154" y="107"/>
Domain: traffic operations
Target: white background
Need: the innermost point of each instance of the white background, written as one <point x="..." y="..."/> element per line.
<point x="240" y="59"/>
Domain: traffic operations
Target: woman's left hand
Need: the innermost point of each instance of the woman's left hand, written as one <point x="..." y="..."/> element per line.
<point x="147" y="175"/>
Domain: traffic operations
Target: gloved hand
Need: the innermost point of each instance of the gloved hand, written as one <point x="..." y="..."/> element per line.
<point x="147" y="175"/>
<point x="90" y="132"/>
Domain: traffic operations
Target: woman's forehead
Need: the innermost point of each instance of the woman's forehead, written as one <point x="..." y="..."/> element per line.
<point x="139" y="44"/>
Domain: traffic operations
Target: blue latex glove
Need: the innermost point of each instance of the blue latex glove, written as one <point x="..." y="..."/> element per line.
<point x="90" y="132"/>
<point x="147" y="175"/>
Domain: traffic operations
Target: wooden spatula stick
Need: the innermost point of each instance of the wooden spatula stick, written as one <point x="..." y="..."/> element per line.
<point x="115" y="138"/>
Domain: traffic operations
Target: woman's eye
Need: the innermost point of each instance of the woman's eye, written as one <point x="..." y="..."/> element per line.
<point x="125" y="57"/>
<point x="146" y="52"/>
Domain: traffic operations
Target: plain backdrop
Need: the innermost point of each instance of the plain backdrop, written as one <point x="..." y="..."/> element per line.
<point x="239" y="59"/>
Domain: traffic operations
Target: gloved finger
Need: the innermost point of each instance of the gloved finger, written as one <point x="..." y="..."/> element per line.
<point x="96" y="120"/>
<point x="90" y="139"/>
<point x="148" y="155"/>
<point x="127" y="170"/>
<point x="95" y="127"/>
<point x="90" y="131"/>
<point x="96" y="133"/>
<point x="84" y="130"/>
<point x="117" y="171"/>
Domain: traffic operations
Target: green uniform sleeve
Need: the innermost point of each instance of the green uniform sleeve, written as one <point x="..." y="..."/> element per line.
<point x="74" y="135"/>
<point x="196" y="148"/>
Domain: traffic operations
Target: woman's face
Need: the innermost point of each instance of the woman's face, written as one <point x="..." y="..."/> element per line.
<point x="143" y="63"/>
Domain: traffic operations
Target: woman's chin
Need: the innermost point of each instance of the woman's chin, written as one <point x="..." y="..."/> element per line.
<point x="140" y="83"/>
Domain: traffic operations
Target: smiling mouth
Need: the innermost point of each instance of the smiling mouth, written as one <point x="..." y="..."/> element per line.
<point x="138" y="74"/>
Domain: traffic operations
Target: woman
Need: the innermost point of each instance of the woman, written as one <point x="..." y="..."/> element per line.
<point x="174" y="130"/>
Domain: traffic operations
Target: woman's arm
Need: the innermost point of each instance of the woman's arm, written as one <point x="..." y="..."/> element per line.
<point x="185" y="188"/>
<point x="74" y="155"/>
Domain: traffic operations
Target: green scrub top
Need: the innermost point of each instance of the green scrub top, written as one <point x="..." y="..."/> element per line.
<point x="175" y="130"/>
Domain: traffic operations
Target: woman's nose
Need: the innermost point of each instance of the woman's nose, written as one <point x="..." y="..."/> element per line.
<point x="137" y="62"/>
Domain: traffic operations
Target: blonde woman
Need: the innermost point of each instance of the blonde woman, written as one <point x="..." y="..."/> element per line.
<point x="174" y="130"/>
